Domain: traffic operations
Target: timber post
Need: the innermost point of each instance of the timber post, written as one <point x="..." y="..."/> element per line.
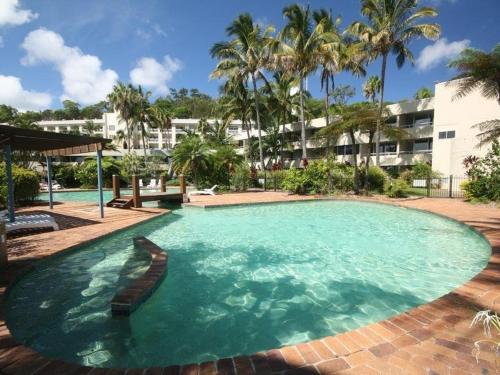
<point x="116" y="186"/>
<point x="136" y="192"/>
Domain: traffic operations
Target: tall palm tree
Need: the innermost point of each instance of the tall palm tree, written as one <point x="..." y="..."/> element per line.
<point x="124" y="100"/>
<point x="392" y="25"/>
<point x="423" y="93"/>
<point x="141" y="116"/>
<point x="238" y="106"/>
<point x="160" y="118"/>
<point x="245" y="55"/>
<point x="371" y="88"/>
<point x="479" y="70"/>
<point x="282" y="103"/>
<point x="299" y="51"/>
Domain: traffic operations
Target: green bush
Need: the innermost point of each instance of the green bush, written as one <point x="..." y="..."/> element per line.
<point x="376" y="178"/>
<point x="397" y="188"/>
<point x="86" y="173"/>
<point x="172" y="182"/>
<point x="240" y="178"/>
<point x="65" y="174"/>
<point x="295" y="181"/>
<point x="484" y="177"/>
<point x="26" y="185"/>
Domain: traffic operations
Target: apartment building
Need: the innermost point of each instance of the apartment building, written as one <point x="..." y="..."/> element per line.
<point x="110" y="124"/>
<point x="440" y="131"/>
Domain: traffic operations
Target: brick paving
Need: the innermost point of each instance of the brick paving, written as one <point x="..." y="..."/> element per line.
<point x="435" y="338"/>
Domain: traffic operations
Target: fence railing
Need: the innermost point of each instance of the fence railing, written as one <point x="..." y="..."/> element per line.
<point x="439" y="187"/>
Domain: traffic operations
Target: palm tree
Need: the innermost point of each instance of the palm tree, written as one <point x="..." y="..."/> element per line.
<point x="282" y="102"/>
<point x="160" y="118"/>
<point x="121" y="138"/>
<point x="238" y="105"/>
<point x="479" y="70"/>
<point x="245" y="55"/>
<point x="423" y="93"/>
<point x="90" y="127"/>
<point x="141" y="116"/>
<point x="192" y="156"/>
<point x="392" y="25"/>
<point x="228" y="159"/>
<point x="341" y="55"/>
<point x="299" y="51"/>
<point x="350" y="119"/>
<point x="371" y="88"/>
<point x="123" y="100"/>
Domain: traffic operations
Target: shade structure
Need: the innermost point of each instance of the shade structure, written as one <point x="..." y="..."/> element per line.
<point x="51" y="144"/>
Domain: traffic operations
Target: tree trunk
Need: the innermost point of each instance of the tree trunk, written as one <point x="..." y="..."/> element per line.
<point x="249" y="137"/>
<point x="380" y="109"/>
<point x="355" y="160"/>
<point x="302" y="120"/>
<point x="128" y="135"/>
<point x="368" y="157"/>
<point x="257" y="117"/>
<point x="327" y="117"/>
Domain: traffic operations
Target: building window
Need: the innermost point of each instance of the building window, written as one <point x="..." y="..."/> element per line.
<point x="447" y="135"/>
<point x="422" y="145"/>
<point x="345" y="150"/>
<point x="385" y="148"/>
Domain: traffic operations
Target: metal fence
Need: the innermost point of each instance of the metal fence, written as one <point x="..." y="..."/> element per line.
<point x="440" y="187"/>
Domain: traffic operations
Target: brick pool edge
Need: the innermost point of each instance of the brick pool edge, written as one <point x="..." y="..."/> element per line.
<point x="127" y="300"/>
<point x="432" y="337"/>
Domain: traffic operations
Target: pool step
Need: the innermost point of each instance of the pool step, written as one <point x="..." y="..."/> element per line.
<point x="120" y="203"/>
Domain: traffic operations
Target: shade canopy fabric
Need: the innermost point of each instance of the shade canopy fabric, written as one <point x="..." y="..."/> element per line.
<point x="52" y="144"/>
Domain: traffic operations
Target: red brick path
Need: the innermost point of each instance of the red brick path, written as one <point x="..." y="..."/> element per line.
<point x="435" y="338"/>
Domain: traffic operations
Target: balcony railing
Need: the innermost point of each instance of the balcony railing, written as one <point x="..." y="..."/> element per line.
<point x="417" y="123"/>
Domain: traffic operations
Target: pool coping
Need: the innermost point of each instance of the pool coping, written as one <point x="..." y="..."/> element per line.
<point x="128" y="299"/>
<point x="400" y="342"/>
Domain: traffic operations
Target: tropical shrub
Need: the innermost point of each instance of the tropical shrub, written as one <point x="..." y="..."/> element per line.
<point x="86" y="173"/>
<point x="241" y="178"/>
<point x="172" y="182"/>
<point x="132" y="164"/>
<point x="484" y="176"/>
<point x="376" y="178"/>
<point x="397" y="188"/>
<point x="65" y="174"/>
<point x="423" y="170"/>
<point x="26" y="185"/>
<point x="295" y="181"/>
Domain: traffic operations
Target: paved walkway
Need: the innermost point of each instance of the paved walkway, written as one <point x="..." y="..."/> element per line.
<point x="435" y="338"/>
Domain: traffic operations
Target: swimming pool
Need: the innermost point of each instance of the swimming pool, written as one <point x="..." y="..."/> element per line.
<point x="241" y="280"/>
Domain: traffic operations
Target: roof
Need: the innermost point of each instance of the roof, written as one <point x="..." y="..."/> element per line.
<point x="52" y="144"/>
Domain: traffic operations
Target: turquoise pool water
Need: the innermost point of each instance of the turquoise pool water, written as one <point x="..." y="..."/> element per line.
<point x="242" y="279"/>
<point x="91" y="195"/>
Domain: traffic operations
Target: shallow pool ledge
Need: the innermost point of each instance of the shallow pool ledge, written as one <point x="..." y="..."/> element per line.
<point x="127" y="300"/>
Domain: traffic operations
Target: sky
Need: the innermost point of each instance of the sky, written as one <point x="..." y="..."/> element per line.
<point x="52" y="50"/>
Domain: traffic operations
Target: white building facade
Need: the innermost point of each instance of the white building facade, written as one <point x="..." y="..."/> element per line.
<point x="440" y="132"/>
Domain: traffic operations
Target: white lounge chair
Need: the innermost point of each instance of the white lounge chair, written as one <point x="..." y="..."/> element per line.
<point x="152" y="184"/>
<point x="141" y="184"/>
<point x="210" y="191"/>
<point x="31" y="224"/>
<point x="56" y="186"/>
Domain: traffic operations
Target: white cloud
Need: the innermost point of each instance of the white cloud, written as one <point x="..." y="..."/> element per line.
<point x="440" y="51"/>
<point x="154" y="75"/>
<point x="12" y="93"/>
<point x="12" y="15"/>
<point x="83" y="78"/>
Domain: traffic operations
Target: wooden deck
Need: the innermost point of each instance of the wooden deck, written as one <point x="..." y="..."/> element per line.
<point x="164" y="197"/>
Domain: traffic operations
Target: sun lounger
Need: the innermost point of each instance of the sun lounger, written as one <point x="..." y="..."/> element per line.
<point x="141" y="184"/>
<point x="152" y="184"/>
<point x="4" y="215"/>
<point x="210" y="191"/>
<point x="31" y="224"/>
